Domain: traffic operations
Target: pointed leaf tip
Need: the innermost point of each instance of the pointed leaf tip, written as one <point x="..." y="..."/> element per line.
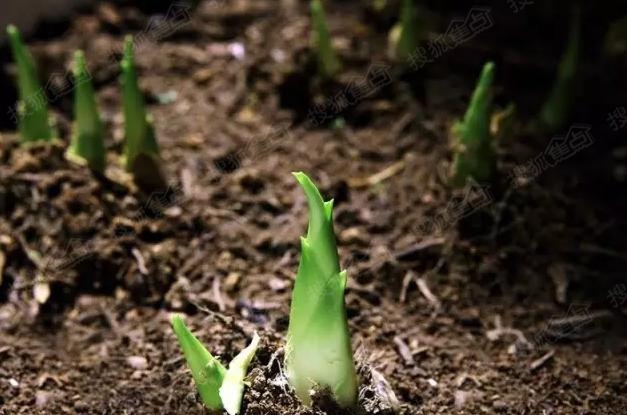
<point x="79" y="57"/>
<point x="311" y="191"/>
<point x="12" y="31"/>
<point x="177" y="322"/>
<point x="488" y="68"/>
<point x="308" y="186"/>
<point x="317" y="212"/>
<point x="486" y="77"/>
<point x="128" y="43"/>
<point x="80" y="64"/>
<point x="328" y="209"/>
<point x="128" y="57"/>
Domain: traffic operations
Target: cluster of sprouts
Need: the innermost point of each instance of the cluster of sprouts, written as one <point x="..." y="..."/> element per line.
<point x="141" y="153"/>
<point x="318" y="351"/>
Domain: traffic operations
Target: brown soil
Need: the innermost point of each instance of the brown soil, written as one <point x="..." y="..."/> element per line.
<point x="91" y="267"/>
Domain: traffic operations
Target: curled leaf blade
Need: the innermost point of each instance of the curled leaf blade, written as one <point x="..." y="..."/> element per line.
<point x="207" y="371"/>
<point x="232" y="389"/>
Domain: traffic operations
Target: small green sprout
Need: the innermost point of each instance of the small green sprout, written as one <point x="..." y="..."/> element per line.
<point x="87" y="145"/>
<point x="206" y="370"/>
<point x="474" y="151"/>
<point x="559" y="105"/>
<point x="34" y="123"/>
<point x="141" y="153"/>
<point x="615" y="42"/>
<point x="318" y="351"/>
<point x="404" y="36"/>
<point x="328" y="63"/>
<point x="232" y="388"/>
<point x="219" y="387"/>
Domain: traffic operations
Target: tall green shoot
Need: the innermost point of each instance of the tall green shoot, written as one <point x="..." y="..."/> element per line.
<point x="318" y="352"/>
<point x="328" y="62"/>
<point x="141" y="152"/>
<point x="406" y="31"/>
<point x="34" y="122"/>
<point x="474" y="155"/>
<point x="560" y="103"/>
<point x="87" y="142"/>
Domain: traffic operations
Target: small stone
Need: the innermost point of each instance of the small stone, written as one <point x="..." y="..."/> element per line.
<point x="14" y="383"/>
<point x="237" y="50"/>
<point x="231" y="281"/>
<point x="498" y="404"/>
<point x="461" y="397"/>
<point x="41" y="292"/>
<point x="81" y="406"/>
<point x="137" y="362"/>
<point x="277" y="284"/>
<point x="350" y="235"/>
<point x="42" y="398"/>
<point x="203" y="75"/>
<point x="173" y="212"/>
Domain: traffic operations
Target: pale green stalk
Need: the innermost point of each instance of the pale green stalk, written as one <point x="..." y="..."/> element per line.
<point x="318" y="352"/>
<point x="474" y="155"/>
<point x="408" y="40"/>
<point x="138" y="130"/>
<point x="328" y="63"/>
<point x="559" y="105"/>
<point x="34" y="123"/>
<point x="87" y="143"/>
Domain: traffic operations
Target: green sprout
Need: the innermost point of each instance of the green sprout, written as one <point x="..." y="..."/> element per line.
<point x="87" y="145"/>
<point x="141" y="153"/>
<point x="328" y="63"/>
<point x="318" y="351"/>
<point x="219" y="387"/>
<point x="615" y="42"/>
<point x="403" y="36"/>
<point x="558" y="106"/>
<point x="34" y="123"/>
<point x="232" y="388"/>
<point x="474" y="151"/>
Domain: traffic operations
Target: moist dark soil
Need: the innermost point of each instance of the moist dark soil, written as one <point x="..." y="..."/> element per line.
<point x="515" y="308"/>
